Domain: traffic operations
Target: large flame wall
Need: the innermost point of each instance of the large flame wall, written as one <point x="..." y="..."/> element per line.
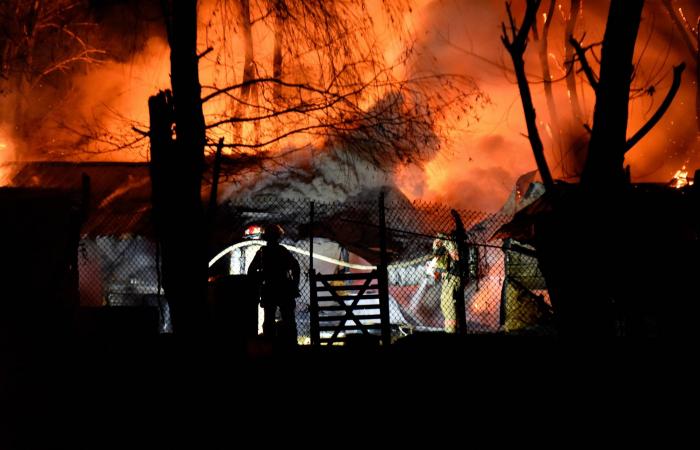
<point x="475" y="168"/>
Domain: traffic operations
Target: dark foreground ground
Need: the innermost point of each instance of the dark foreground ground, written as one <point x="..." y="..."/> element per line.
<point x="165" y="392"/>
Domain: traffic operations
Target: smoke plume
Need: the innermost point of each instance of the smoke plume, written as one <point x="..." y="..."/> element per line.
<point x="88" y="111"/>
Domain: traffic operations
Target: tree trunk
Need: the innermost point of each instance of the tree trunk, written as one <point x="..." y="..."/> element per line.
<point x="604" y="166"/>
<point x="176" y="173"/>
<point x="605" y="250"/>
<point x="584" y="246"/>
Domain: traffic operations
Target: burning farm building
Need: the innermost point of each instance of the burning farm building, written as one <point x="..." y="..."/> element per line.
<point x="118" y="260"/>
<point x="330" y="101"/>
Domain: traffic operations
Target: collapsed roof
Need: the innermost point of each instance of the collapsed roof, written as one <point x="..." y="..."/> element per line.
<point x="119" y="203"/>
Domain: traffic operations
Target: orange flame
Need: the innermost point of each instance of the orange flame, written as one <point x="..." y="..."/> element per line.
<point x="479" y="167"/>
<point x="680" y="179"/>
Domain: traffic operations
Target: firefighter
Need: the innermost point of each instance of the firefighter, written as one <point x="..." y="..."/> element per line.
<point x="275" y="273"/>
<point x="447" y="271"/>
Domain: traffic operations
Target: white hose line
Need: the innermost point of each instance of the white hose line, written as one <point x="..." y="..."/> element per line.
<point x="294" y="249"/>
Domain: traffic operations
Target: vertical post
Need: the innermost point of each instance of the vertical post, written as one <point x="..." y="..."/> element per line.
<point x="163" y="307"/>
<point x="383" y="275"/>
<point x="158" y="274"/>
<point x="213" y="195"/>
<point x="463" y="254"/>
<point x="506" y="280"/>
<point x="311" y="237"/>
<point x="313" y="300"/>
<point x="477" y="264"/>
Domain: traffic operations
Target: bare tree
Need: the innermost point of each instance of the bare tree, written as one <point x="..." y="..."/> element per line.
<point x="609" y="143"/>
<point x="604" y="162"/>
<point x="326" y="68"/>
<point x="597" y="226"/>
<point x="42" y="42"/>
<point x="516" y="44"/>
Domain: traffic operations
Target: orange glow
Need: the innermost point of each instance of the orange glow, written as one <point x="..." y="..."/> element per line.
<point x="680" y="179"/>
<point x="479" y="167"/>
<point x="481" y="152"/>
<point x="6" y="157"/>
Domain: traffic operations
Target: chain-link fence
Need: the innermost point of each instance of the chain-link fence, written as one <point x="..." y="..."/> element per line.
<point x="122" y="273"/>
<point x="499" y="283"/>
<point x="503" y="289"/>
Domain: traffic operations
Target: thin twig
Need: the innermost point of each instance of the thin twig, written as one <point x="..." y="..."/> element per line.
<point x="585" y="66"/>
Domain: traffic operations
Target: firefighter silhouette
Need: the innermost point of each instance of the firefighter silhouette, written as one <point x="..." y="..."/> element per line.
<point x="275" y="273"/>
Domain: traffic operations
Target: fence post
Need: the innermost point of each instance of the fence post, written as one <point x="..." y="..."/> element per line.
<point x="458" y="295"/>
<point x="383" y="275"/>
<point x="311" y="236"/>
<point x="313" y="301"/>
<point x="213" y="194"/>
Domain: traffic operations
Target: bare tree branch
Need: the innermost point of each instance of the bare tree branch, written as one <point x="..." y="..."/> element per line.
<point x="219" y="91"/>
<point x="675" y="85"/>
<point x="516" y="48"/>
<point x="84" y="57"/>
<point x="585" y="66"/>
<point x="299" y="109"/>
<point x="205" y="52"/>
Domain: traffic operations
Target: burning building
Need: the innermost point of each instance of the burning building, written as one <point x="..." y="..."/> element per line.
<point x="308" y="111"/>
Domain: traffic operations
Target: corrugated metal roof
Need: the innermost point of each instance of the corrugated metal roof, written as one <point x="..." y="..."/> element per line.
<point x="119" y="198"/>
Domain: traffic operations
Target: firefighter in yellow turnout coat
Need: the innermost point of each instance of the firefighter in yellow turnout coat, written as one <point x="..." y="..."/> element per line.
<point x="447" y="271"/>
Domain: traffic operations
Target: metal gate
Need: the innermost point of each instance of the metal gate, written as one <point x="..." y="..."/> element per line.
<point x="347" y="304"/>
